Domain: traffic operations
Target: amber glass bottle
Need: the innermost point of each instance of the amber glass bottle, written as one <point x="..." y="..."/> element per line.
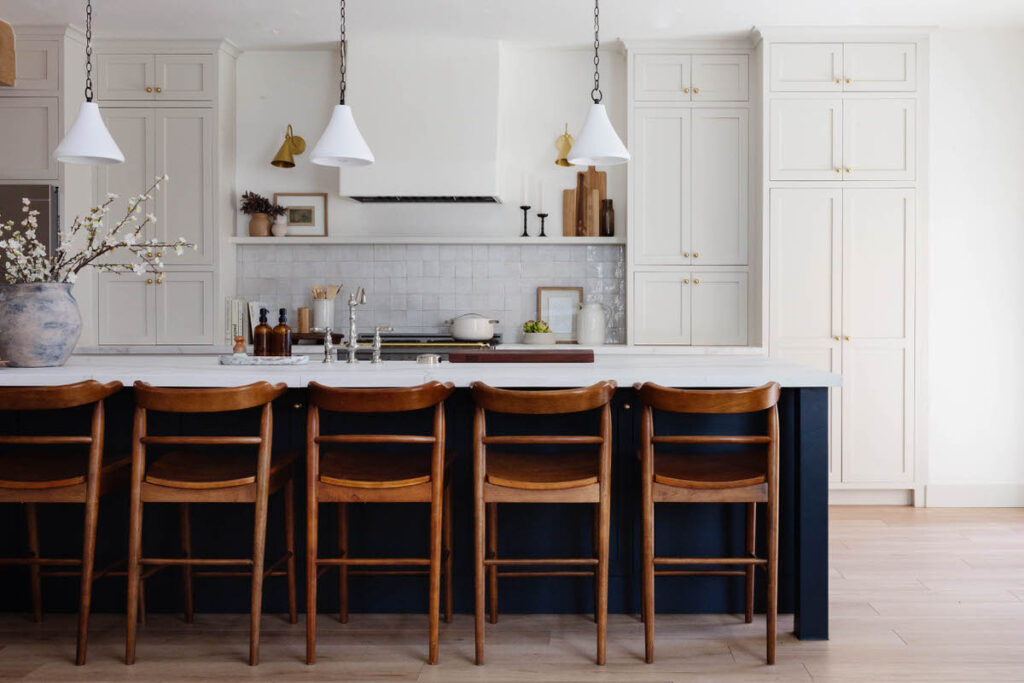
<point x="281" y="337"/>
<point x="261" y="336"/>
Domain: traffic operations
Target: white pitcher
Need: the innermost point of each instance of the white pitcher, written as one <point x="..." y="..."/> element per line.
<point x="591" y="324"/>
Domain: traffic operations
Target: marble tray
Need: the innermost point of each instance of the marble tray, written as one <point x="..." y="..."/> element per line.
<point x="231" y="359"/>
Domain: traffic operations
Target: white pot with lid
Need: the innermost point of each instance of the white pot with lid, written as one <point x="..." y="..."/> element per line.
<point x="472" y="327"/>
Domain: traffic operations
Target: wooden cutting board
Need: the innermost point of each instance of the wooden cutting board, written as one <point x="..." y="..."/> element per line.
<point x="523" y="356"/>
<point x="591" y="189"/>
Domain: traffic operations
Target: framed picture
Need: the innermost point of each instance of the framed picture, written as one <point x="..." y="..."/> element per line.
<point x="557" y="306"/>
<point x="305" y="215"/>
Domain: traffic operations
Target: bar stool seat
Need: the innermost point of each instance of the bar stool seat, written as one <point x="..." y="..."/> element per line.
<point x="710" y="470"/>
<point x="369" y="470"/>
<point x="542" y="471"/>
<point x="200" y="469"/>
<point x="45" y="469"/>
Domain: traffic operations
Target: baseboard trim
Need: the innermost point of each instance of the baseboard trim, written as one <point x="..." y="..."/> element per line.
<point x="901" y="497"/>
<point x="974" y="495"/>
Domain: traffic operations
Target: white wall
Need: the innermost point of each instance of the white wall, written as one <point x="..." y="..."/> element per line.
<point x="976" y="288"/>
<point x="541" y="89"/>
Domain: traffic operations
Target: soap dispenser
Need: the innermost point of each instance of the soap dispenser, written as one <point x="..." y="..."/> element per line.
<point x="261" y="336"/>
<point x="281" y="338"/>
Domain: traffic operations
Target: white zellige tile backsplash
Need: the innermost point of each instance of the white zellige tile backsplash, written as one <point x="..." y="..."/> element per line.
<point x="416" y="287"/>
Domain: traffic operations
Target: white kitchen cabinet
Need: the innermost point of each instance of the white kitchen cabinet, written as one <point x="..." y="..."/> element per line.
<point x="806" y="67"/>
<point x="127" y="309"/>
<point x="134" y="131"/>
<point x="184" y="308"/>
<point x="879" y="139"/>
<point x="28" y="136"/>
<point x="842" y="297"/>
<point x="718" y="308"/>
<point x="719" y="78"/>
<point x="661" y="305"/>
<point x="183" y="149"/>
<point x="155" y="77"/>
<point x="718" y="179"/>
<point x="662" y="78"/>
<point x="806" y="139"/>
<point x="37" y="66"/>
<point x="690" y="185"/>
<point x="879" y="67"/>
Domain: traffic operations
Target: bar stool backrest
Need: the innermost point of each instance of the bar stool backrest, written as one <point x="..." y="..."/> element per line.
<point x="220" y="400"/>
<point x="59" y="398"/>
<point x="542" y="402"/>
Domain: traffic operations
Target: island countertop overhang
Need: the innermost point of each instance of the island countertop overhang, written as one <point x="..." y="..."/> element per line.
<point x="205" y="371"/>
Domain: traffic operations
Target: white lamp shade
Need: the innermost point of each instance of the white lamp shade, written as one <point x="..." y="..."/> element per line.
<point x="598" y="144"/>
<point x="88" y="141"/>
<point x="341" y="143"/>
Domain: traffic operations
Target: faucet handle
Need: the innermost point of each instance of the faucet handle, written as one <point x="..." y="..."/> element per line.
<point x="383" y="328"/>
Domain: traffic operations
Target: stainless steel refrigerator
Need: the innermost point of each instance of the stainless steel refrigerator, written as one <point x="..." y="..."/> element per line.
<point x="44" y="199"/>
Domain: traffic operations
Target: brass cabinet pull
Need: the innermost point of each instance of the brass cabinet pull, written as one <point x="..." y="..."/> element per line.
<point x="159" y="254"/>
<point x="686" y="282"/>
<point x="836" y="337"/>
<point x="687" y="89"/>
<point x="297" y="406"/>
<point x="838" y="81"/>
<point x="846" y="337"/>
<point x="149" y="89"/>
<point x="686" y="254"/>
<point x="696" y="281"/>
<point x="626" y="406"/>
<point x="695" y="254"/>
<point x="696" y="91"/>
<point x="847" y="80"/>
<point x="149" y="281"/>
<point x="159" y="89"/>
<point x="838" y="170"/>
<point x="847" y="169"/>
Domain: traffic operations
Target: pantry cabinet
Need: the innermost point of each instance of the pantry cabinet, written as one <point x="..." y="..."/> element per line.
<point x="161" y="77"/>
<point x="690" y="307"/>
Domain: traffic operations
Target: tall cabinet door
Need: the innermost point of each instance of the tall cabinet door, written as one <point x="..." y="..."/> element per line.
<point x="806" y="139"/>
<point x="661" y="307"/>
<point x="133" y="130"/>
<point x="184" y="306"/>
<point x="184" y="205"/>
<point x="878" y="318"/>
<point x="879" y="141"/>
<point x="661" y="186"/>
<point x="719" y="187"/>
<point x="806" y="290"/>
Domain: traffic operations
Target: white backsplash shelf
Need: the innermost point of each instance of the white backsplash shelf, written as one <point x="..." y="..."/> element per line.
<point x="428" y="239"/>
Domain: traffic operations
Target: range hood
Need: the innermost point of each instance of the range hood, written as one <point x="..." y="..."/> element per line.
<point x="429" y="111"/>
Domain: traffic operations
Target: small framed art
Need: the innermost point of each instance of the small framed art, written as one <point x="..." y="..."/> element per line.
<point x="305" y="214"/>
<point x="557" y="306"/>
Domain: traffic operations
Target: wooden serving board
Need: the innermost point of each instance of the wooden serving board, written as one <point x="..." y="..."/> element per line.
<point x="523" y="356"/>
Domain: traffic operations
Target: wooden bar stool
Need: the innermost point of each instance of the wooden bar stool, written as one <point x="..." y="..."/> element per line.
<point x="745" y="471"/>
<point x="199" y="469"/>
<point x="60" y="469"/>
<point x="579" y="476"/>
<point x="414" y="473"/>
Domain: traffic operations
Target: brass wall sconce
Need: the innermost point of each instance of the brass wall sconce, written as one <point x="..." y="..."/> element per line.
<point x="293" y="145"/>
<point x="564" y="143"/>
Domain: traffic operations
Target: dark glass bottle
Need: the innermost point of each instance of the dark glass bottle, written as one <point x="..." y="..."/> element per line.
<point x="261" y="336"/>
<point x="281" y="337"/>
<point x="607" y="218"/>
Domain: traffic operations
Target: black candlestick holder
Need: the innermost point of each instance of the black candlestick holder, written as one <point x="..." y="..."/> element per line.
<point x="542" y="216"/>
<point x="525" y="210"/>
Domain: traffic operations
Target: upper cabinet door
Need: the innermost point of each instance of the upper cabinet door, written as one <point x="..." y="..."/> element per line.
<point x="719" y="78"/>
<point x="718" y="309"/>
<point x="718" y="177"/>
<point x="879" y="139"/>
<point x="184" y="77"/>
<point x="806" y="139"/>
<point x="661" y="307"/>
<point x="184" y="205"/>
<point x="36" y="66"/>
<point x="662" y="78"/>
<point x="806" y="67"/>
<point x="880" y="67"/>
<point x="661" y="186"/>
<point x="133" y="131"/>
<point x="124" y="77"/>
<point x="184" y="305"/>
<point x="28" y="136"/>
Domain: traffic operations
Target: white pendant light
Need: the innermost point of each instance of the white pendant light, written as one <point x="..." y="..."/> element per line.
<point x="341" y="143"/>
<point x="88" y="141"/>
<point x="597" y="144"/>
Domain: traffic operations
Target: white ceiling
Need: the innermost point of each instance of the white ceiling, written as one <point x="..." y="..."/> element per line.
<point x="291" y="23"/>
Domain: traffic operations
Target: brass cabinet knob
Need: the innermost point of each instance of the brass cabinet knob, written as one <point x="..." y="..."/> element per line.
<point x="149" y="254"/>
<point x="159" y="254"/>
<point x="159" y="89"/>
<point x="696" y="90"/>
<point x="838" y="170"/>
<point x="686" y="282"/>
<point x="847" y="169"/>
<point x="297" y="406"/>
<point x="838" y="81"/>
<point x="686" y="90"/>
<point x="149" y="89"/>
<point x="846" y="337"/>
<point x="626" y="406"/>
<point x="695" y="254"/>
<point x="696" y="281"/>
<point x="836" y="337"/>
<point x="149" y="281"/>
<point x="686" y="254"/>
<point x="847" y="80"/>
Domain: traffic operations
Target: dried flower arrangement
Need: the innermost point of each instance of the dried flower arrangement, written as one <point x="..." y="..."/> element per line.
<point x="257" y="203"/>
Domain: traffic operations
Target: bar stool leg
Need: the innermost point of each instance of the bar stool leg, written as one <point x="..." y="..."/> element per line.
<point x="751" y="536"/>
<point x="134" y="580"/>
<point x="186" y="552"/>
<point x="343" y="569"/>
<point x="478" y="520"/>
<point x="601" y="607"/>
<point x="34" y="571"/>
<point x="289" y="543"/>
<point x="434" y="601"/>
<point x="258" y="547"/>
<point x="446" y="545"/>
<point x="596" y="535"/>
<point x="771" y="595"/>
<point x="648" y="570"/>
<point x="311" y="572"/>
<point x="88" y="560"/>
<point x="492" y="553"/>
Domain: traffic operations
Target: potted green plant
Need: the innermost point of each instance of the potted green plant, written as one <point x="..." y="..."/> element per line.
<point x="261" y="212"/>
<point x="537" y="332"/>
<point x="39" y="318"/>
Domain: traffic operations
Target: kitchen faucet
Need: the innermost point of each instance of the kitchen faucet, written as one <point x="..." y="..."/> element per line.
<point x="328" y="346"/>
<point x="356" y="298"/>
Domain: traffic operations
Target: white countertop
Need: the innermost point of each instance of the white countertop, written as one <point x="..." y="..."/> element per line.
<point x="626" y="369"/>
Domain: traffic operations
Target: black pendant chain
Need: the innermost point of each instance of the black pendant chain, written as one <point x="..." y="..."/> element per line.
<point x="596" y="93"/>
<point x="342" y="45"/>
<point x="88" y="51"/>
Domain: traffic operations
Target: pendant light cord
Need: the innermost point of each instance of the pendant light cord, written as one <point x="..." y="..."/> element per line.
<point x="88" y="50"/>
<point x="596" y="93"/>
<point x="342" y="49"/>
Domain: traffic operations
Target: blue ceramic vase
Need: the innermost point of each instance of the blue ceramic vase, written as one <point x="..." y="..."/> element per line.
<point x="39" y="324"/>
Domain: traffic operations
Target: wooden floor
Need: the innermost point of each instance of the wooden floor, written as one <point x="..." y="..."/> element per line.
<point x="917" y="595"/>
